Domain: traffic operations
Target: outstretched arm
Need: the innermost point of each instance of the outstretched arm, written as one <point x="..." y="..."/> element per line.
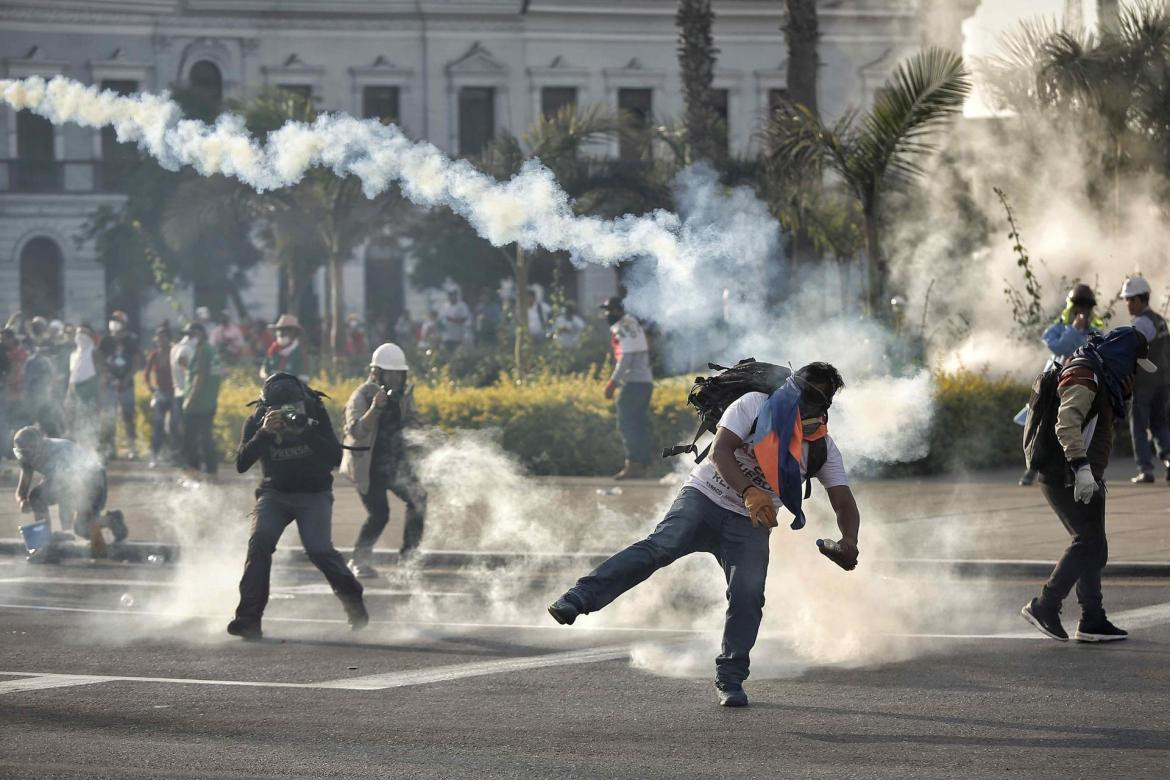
<point x="844" y="553"/>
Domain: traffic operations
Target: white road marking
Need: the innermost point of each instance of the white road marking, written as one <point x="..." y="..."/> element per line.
<point x="43" y="681"/>
<point x="34" y="681"/>
<point x="308" y="590"/>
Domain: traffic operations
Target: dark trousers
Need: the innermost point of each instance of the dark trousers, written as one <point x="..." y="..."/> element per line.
<point x="695" y="523"/>
<point x="633" y="415"/>
<point x="1147" y="420"/>
<point x="119" y="402"/>
<point x="400" y="480"/>
<point x="199" y="441"/>
<point x="313" y="513"/>
<point x="1082" y="562"/>
<point x="164" y="423"/>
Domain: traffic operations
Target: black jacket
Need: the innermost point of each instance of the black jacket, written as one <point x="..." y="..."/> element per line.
<point x="291" y="463"/>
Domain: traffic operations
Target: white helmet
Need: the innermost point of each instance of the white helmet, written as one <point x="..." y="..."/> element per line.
<point x="1135" y="285"/>
<point x="389" y="357"/>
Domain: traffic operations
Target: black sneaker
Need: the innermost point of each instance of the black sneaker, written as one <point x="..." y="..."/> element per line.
<point x="362" y="570"/>
<point x="1028" y="479"/>
<point x="1045" y="619"/>
<point x="731" y="695"/>
<point x="1099" y="631"/>
<point x="564" y="611"/>
<point x="248" y="630"/>
<point x="116" y="522"/>
<point x="1143" y="478"/>
<point x="355" y="611"/>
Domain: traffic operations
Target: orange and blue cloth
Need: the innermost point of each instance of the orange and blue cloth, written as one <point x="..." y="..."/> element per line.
<point x="778" y="446"/>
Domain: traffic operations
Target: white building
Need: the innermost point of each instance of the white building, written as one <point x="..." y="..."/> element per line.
<point x="450" y="71"/>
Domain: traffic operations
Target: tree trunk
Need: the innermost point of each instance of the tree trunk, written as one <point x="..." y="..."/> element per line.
<point x="801" y="33"/>
<point x="696" y="60"/>
<point x="336" y="308"/>
<point x="876" y="270"/>
<point x="520" y="313"/>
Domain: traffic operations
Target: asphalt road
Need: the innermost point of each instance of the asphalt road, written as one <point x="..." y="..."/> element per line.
<point x="101" y="677"/>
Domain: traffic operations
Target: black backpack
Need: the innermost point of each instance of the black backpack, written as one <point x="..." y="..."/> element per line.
<point x="711" y="395"/>
<point x="1041" y="447"/>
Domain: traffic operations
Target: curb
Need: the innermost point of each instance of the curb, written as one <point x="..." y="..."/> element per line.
<point x="164" y="553"/>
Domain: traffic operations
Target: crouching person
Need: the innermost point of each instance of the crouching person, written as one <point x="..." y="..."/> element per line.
<point x="376" y="458"/>
<point x="75" y="481"/>
<point x="765" y="445"/>
<point x="291" y="435"/>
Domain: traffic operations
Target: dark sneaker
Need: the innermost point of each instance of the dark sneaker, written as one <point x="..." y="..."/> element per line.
<point x="1045" y="619"/>
<point x="248" y="630"/>
<point x="1099" y="631"/>
<point x="731" y="695"/>
<point x="1028" y="479"/>
<point x="1143" y="478"/>
<point x="355" y="611"/>
<point x="50" y="553"/>
<point x="564" y="611"/>
<point x="361" y="570"/>
<point x="116" y="522"/>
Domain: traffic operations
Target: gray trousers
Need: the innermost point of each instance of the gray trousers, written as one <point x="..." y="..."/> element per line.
<point x="1148" y="421"/>
<point x="313" y="514"/>
<point x="695" y="523"/>
<point x="400" y="480"/>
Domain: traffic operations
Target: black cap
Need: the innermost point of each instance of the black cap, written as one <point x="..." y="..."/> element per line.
<point x="1083" y="294"/>
<point x="612" y="303"/>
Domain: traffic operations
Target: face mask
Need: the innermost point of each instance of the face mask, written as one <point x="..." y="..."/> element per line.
<point x="613" y="317"/>
<point x="116" y="327"/>
<point x="283" y="341"/>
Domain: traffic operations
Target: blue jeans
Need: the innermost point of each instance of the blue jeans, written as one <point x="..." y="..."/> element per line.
<point x="695" y="523"/>
<point x="633" y="414"/>
<point x="1147" y="419"/>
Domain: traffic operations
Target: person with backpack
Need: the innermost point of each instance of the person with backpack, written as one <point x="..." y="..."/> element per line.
<point x="1071" y="331"/>
<point x="1151" y="392"/>
<point x="1067" y="439"/>
<point x="633" y="382"/>
<point x="290" y="433"/>
<point x="765" y="445"/>
<point x="376" y="457"/>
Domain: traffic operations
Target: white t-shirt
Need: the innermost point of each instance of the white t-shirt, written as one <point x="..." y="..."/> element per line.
<point x="738" y="419"/>
<point x="456" y="317"/>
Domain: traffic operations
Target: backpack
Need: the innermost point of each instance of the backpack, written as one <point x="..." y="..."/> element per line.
<point x="711" y="395"/>
<point x="1041" y="447"/>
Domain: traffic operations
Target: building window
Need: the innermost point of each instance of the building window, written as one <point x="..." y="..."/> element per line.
<point x="206" y="84"/>
<point x="36" y="168"/>
<point x="117" y="158"/>
<point x="553" y="99"/>
<point x="300" y="91"/>
<point x="638" y="106"/>
<point x="776" y="97"/>
<point x="477" y="119"/>
<point x="380" y="103"/>
<point x="42" y="292"/>
<point x="719" y="101"/>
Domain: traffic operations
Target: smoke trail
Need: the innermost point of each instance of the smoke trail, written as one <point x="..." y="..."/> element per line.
<point x="530" y="209"/>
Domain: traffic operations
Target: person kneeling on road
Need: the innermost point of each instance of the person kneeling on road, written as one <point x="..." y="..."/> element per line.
<point x="291" y="435"/>
<point x="1092" y="392"/>
<point x="74" y="480"/>
<point x="727" y="507"/>
<point x="376" y="457"/>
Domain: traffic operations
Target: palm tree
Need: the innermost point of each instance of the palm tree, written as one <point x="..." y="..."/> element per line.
<point x="878" y="150"/>
<point x="559" y="142"/>
<point x="1117" y="82"/>
<point x="696" y="60"/>
<point x="802" y="34"/>
<point x="319" y="221"/>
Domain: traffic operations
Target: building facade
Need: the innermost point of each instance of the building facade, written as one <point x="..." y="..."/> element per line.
<point x="453" y="72"/>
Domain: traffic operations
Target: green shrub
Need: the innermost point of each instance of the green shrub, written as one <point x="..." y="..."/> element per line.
<point x="972" y="425"/>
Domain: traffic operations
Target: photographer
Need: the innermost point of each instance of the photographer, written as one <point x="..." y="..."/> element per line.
<point x="291" y="435"/>
<point x="377" y="460"/>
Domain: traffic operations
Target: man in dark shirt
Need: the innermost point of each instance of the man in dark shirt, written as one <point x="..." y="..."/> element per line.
<point x="291" y="435"/>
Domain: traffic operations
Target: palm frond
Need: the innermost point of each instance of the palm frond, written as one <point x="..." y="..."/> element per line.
<point x="923" y="93"/>
<point x="797" y="143"/>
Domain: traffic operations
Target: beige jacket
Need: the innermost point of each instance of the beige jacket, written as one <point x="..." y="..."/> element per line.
<point x="355" y="464"/>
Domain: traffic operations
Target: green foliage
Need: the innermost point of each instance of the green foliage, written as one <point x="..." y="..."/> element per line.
<point x="972" y="425"/>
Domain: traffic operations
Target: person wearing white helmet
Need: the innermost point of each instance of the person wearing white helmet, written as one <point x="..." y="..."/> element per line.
<point x="1151" y="392"/>
<point x="376" y="457"/>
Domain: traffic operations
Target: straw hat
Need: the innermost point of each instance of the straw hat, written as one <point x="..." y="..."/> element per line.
<point x="287" y="321"/>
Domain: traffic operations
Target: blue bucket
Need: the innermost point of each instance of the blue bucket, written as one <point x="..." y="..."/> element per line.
<point x="36" y="535"/>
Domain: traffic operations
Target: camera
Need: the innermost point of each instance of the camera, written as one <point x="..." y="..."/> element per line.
<point x="295" y="418"/>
